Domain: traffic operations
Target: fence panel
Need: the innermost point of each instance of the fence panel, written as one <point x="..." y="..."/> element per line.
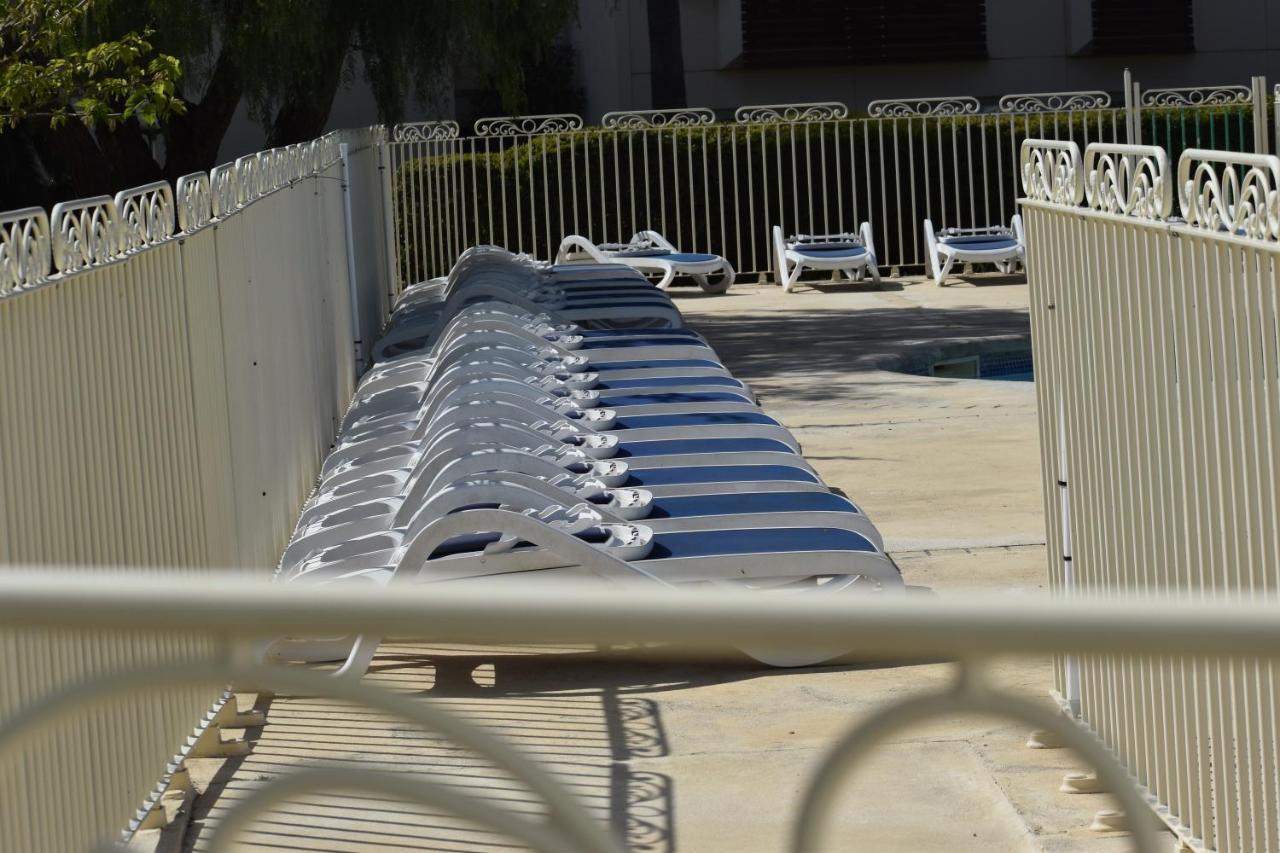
<point x="167" y="396"/>
<point x="721" y="186"/>
<point x="1157" y="380"/>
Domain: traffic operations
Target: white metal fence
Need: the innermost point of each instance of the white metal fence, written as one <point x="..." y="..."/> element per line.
<point x="233" y="614"/>
<point x="720" y="186"/>
<point x="173" y="365"/>
<point x="1157" y="375"/>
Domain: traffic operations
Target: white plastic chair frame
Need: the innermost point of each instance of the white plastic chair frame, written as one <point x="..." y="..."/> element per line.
<point x="942" y="256"/>
<point x="791" y="260"/>
<point x="574" y="246"/>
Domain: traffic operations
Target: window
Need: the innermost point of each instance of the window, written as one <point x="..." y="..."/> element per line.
<point x="787" y="33"/>
<point x="1143" y="26"/>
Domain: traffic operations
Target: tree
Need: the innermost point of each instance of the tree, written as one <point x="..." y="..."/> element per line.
<point x="666" y="55"/>
<point x="47" y="73"/>
<point x="285" y="59"/>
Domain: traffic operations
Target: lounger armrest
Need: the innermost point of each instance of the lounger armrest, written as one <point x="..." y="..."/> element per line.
<point x="513" y="524"/>
<point x="655" y="238"/>
<point x="868" y="240"/>
<point x="577" y="244"/>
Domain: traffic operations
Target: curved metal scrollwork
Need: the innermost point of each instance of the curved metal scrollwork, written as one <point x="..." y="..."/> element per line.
<point x="1197" y="96"/>
<point x="424" y="131"/>
<point x="195" y="201"/>
<point x="643" y="119"/>
<point x="1053" y="102"/>
<point x="25" y="249"/>
<point x="528" y="125"/>
<point x="767" y="113"/>
<point x="224" y="195"/>
<point x="1051" y="171"/>
<point x="1243" y="198"/>
<point x="566" y="827"/>
<point x="248" y="179"/>
<point x="329" y="152"/>
<point x="84" y="232"/>
<point x="969" y="695"/>
<point x="146" y="215"/>
<point x="1133" y="180"/>
<point x="906" y="107"/>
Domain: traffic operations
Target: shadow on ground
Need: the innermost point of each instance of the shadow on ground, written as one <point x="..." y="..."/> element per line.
<point x="790" y="350"/>
<point x="574" y="710"/>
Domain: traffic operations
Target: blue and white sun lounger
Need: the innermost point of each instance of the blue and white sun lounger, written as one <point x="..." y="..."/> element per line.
<point x="515" y="424"/>
<point x="1003" y="247"/>
<point x="650" y="252"/>
<point x="851" y="254"/>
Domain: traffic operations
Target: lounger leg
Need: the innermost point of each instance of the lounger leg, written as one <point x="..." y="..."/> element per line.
<point x="726" y="274"/>
<point x="875" y="272"/>
<point x="361" y="656"/>
<point x="789" y="276"/>
<point x="946" y="268"/>
<point x="666" y="279"/>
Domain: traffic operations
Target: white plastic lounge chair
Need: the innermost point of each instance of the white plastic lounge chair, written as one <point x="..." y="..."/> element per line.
<point x="850" y="254"/>
<point x="650" y="252"/>
<point x="997" y="245"/>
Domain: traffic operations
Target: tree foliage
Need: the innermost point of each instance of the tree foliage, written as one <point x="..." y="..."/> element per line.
<point x="286" y="60"/>
<point x="47" y="70"/>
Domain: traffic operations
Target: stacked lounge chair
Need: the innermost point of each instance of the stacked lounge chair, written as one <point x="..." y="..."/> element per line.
<point x="536" y="420"/>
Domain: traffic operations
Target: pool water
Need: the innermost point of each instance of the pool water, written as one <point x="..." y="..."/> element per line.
<point x="1000" y="365"/>
<point x="1017" y="376"/>
<point x="1011" y="366"/>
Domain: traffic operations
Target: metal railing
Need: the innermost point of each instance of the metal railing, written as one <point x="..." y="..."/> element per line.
<point x="720" y="186"/>
<point x="235" y="615"/>
<point x="1158" y="386"/>
<point x="174" y="362"/>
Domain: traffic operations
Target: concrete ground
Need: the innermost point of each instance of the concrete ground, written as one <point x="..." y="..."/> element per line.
<point x="715" y="756"/>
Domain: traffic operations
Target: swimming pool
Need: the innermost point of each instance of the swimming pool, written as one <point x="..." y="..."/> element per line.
<point x="1004" y="365"/>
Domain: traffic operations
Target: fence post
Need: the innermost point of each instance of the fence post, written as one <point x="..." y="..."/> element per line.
<point x="394" y="284"/>
<point x="1261" y="144"/>
<point x="352" y="283"/>
<point x="1132" y="120"/>
<point x="1072" y="691"/>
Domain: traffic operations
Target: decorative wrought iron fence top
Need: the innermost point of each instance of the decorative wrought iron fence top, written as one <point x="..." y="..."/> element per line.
<point x="528" y="125"/>
<point x="765" y="113"/>
<point x="1132" y="180"/>
<point x="941" y="106"/>
<point x="79" y="234"/>
<point x="422" y="131"/>
<point x="1196" y="96"/>
<point x="1053" y="102"/>
<point x="641" y="119"/>
<point x="25" y="249"/>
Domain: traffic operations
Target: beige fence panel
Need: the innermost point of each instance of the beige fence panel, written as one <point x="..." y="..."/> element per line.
<point x="173" y="366"/>
<point x="1156" y="365"/>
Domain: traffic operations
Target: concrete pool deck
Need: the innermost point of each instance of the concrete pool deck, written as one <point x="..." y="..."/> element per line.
<point x="714" y="756"/>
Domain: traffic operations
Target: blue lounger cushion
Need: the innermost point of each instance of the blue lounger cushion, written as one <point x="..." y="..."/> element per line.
<point x="667" y="447"/>
<point x="693" y="419"/>
<point x="663" y="381"/>
<point x="831" y="254"/>
<point x="655" y="364"/>
<point x="672" y="397"/>
<point x="640" y="342"/>
<point x="697" y="506"/>
<point x="686" y="257"/>
<point x="697" y="474"/>
<point x="768" y="540"/>
<point x="704" y="543"/>
<point x="980" y="244"/>
<point x="633" y="333"/>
